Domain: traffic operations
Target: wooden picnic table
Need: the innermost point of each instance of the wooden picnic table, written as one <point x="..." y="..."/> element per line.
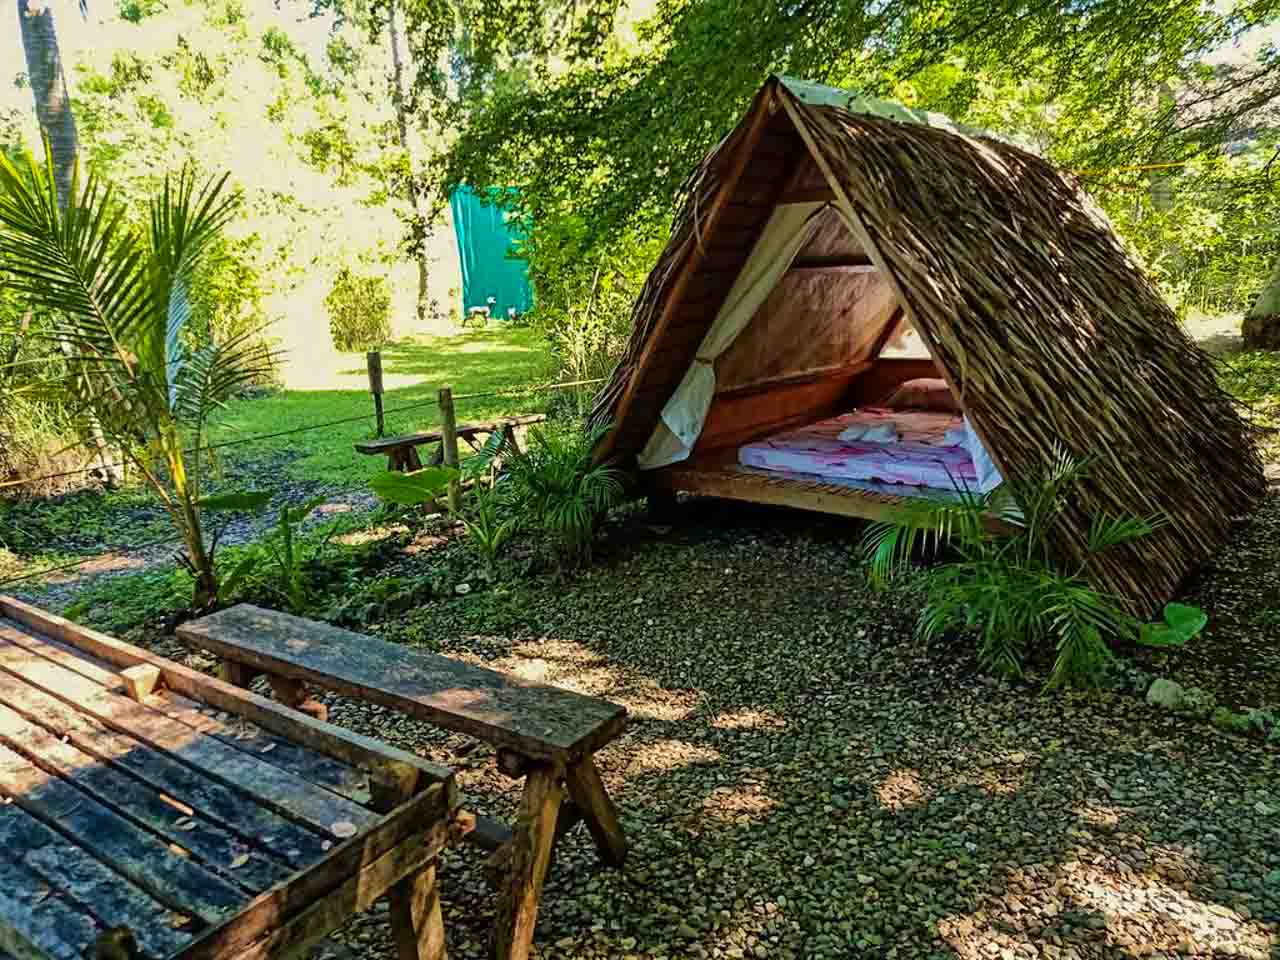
<point x="402" y="451"/>
<point x="543" y="733"/>
<point x="209" y="822"/>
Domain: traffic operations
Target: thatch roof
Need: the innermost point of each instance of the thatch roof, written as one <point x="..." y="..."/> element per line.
<point x="1045" y="327"/>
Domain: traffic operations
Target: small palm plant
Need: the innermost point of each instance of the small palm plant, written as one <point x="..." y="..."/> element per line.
<point x="561" y="489"/>
<point x="118" y="306"/>
<point x="1013" y="592"/>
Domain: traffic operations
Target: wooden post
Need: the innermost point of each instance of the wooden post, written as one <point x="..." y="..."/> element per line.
<point x="373" y="360"/>
<point x="449" y="443"/>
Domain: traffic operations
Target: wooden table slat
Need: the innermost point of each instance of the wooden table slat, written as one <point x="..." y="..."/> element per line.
<point x="111" y="897"/>
<point x="130" y="850"/>
<point x="36" y="922"/>
<point x="252" y="822"/>
<point x="264" y="782"/>
<point x="301" y="761"/>
<point x="209" y="843"/>
<point x="418" y="823"/>
<point x="308" y="764"/>
<point x="533" y="719"/>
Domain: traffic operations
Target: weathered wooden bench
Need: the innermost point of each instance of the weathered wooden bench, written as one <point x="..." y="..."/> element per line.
<point x="145" y="800"/>
<point x="542" y="733"/>
<point x="402" y="451"/>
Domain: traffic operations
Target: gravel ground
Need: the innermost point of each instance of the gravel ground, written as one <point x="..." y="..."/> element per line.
<point x="801" y="778"/>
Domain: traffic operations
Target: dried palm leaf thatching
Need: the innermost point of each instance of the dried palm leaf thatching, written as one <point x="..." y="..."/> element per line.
<point x="1048" y="331"/>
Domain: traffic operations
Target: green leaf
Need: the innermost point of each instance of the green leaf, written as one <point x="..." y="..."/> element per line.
<point x="411" y="489"/>
<point x="242" y="500"/>
<point x="1186" y="619"/>
<point x="1182" y="623"/>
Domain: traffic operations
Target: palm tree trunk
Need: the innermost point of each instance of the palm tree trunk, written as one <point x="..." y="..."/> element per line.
<point x="49" y="87"/>
<point x="401" y="64"/>
<point x="1261" y="328"/>
<point x="58" y="124"/>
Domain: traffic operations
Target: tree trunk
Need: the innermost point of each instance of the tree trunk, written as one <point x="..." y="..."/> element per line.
<point x="402" y="64"/>
<point x="49" y="87"/>
<point x="1261" y="328"/>
<point x="58" y="125"/>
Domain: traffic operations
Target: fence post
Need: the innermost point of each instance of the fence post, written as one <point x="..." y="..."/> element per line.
<point x="449" y="441"/>
<point x="373" y="360"/>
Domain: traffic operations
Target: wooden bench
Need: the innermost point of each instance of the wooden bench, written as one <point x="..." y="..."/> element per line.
<point x="402" y="451"/>
<point x="206" y="821"/>
<point x="542" y="733"/>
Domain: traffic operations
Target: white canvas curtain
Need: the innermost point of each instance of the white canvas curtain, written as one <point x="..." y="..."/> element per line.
<point x="685" y="413"/>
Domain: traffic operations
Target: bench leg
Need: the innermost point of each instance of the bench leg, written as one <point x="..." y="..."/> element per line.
<point x="590" y="797"/>
<point x="293" y="693"/>
<point x="534" y="835"/>
<point x="237" y="674"/>
<point x="416" y="922"/>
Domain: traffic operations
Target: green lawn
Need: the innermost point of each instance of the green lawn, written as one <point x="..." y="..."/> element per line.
<point x="476" y="362"/>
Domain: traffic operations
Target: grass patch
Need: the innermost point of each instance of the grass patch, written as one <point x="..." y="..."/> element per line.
<point x="474" y="362"/>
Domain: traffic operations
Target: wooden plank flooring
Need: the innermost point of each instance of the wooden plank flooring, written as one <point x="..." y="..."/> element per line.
<point x="315" y="767"/>
<point x="165" y="816"/>
<point x="271" y="785"/>
<point x="110" y="898"/>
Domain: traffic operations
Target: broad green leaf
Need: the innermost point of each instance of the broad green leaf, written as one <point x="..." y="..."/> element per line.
<point x="240" y="500"/>
<point x="1185" y="619"/>
<point x="411" y="489"/>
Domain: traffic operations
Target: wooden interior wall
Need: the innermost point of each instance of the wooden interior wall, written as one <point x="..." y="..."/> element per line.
<point x="742" y="416"/>
<point x="886" y="373"/>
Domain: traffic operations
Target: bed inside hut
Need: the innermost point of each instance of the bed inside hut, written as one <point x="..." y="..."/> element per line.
<point x="823" y="396"/>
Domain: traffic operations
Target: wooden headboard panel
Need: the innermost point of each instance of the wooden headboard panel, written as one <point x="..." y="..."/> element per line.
<point x="740" y="416"/>
<point x="885" y="374"/>
<point x="749" y="413"/>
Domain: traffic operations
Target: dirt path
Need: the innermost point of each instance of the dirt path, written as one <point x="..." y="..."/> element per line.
<point x="58" y="590"/>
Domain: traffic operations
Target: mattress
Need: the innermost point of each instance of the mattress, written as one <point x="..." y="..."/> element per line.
<point x="919" y="458"/>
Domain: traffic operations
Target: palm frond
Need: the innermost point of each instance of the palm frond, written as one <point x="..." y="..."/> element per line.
<point x="84" y="265"/>
<point x="1106" y="531"/>
<point x="211" y="375"/>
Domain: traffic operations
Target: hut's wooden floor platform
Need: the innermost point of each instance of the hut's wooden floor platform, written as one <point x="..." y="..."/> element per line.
<point x="720" y="475"/>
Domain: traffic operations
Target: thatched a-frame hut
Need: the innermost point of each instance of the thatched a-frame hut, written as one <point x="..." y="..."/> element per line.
<point x="832" y="248"/>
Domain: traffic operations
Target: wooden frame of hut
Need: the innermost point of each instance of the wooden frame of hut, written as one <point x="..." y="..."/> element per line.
<point x="834" y="227"/>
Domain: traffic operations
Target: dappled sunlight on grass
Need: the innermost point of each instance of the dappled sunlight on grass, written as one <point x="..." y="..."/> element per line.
<point x="414" y="370"/>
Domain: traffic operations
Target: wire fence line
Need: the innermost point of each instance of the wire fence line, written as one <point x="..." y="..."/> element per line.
<point x="239" y="441"/>
<point x="171" y="541"/>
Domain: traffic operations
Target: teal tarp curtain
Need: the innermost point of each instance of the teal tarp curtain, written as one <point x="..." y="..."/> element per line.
<point x="485" y="240"/>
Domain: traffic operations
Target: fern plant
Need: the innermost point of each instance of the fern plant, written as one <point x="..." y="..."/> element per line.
<point x="1013" y="593"/>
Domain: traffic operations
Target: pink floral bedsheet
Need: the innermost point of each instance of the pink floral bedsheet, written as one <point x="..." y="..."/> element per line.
<point x="919" y="457"/>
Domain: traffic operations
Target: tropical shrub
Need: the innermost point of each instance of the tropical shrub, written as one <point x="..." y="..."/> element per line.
<point x="278" y="563"/>
<point x="359" y="310"/>
<point x="553" y="488"/>
<point x="556" y="486"/>
<point x="116" y="303"/>
<point x="1014" y="594"/>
